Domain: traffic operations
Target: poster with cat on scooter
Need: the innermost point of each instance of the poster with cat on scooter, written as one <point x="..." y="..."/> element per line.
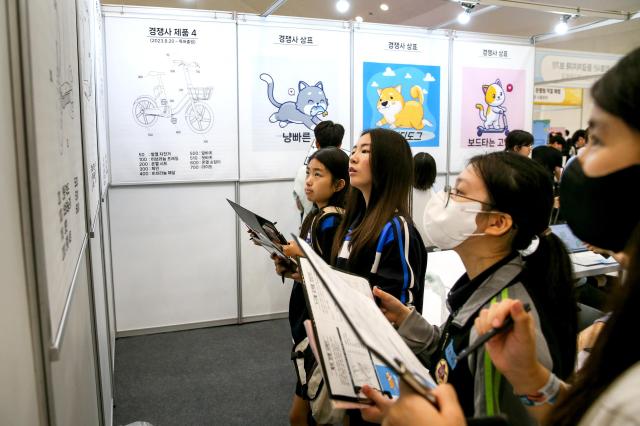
<point x="491" y="106"/>
<point x="491" y="93"/>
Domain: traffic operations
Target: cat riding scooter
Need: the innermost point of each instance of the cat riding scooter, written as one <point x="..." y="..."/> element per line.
<point x="504" y="128"/>
<point x="495" y="119"/>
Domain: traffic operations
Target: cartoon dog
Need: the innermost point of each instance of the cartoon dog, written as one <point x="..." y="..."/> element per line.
<point x="400" y="114"/>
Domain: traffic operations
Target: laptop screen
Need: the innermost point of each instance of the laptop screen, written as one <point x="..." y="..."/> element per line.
<point x="574" y="245"/>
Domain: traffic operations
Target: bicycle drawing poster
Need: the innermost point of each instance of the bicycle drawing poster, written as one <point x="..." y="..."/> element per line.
<point x="172" y="97"/>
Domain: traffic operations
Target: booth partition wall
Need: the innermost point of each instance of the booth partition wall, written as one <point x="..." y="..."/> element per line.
<point x="208" y="106"/>
<point x="128" y="128"/>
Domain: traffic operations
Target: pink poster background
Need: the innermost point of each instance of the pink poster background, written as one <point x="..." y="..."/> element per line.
<point x="513" y="84"/>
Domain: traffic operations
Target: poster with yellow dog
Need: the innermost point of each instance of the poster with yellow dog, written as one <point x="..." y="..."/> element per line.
<point x="404" y="98"/>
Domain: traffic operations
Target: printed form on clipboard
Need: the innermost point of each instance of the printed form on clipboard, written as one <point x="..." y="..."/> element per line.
<point x="356" y="344"/>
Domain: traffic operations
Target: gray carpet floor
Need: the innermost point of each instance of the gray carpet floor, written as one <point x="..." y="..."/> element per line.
<point x="232" y="375"/>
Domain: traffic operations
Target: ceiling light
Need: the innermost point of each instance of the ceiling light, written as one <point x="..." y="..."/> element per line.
<point x="359" y="19"/>
<point x="342" y="6"/>
<point x="464" y="17"/>
<point x="562" y="27"/>
<point x="384" y="7"/>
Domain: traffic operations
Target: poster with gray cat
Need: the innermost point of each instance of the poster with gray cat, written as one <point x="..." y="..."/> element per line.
<point x="309" y="107"/>
<point x="287" y="86"/>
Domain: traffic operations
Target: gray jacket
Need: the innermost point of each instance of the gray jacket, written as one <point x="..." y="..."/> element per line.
<point x="493" y="396"/>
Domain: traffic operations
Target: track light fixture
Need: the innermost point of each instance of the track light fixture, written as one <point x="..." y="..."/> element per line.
<point x="465" y="16"/>
<point x="562" y="27"/>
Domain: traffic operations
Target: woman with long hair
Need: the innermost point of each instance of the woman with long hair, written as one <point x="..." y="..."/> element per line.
<point x="377" y="238"/>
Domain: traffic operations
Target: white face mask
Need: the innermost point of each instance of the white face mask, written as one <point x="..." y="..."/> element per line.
<point x="447" y="227"/>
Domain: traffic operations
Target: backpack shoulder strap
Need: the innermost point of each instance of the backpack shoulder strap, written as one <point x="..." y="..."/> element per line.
<point x="325" y="212"/>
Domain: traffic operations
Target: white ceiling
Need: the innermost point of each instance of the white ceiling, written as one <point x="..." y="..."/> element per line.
<point x="618" y="38"/>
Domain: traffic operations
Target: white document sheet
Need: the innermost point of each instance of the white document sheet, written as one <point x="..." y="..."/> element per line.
<point x="347" y="363"/>
<point x="366" y="320"/>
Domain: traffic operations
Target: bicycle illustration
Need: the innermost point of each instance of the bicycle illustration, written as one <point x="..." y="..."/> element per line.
<point x="198" y="114"/>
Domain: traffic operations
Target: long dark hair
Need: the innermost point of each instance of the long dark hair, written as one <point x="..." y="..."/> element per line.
<point x="615" y="350"/>
<point x="618" y="91"/>
<point x="424" y="171"/>
<point x="337" y="163"/>
<point x="392" y="175"/>
<point x="523" y="189"/>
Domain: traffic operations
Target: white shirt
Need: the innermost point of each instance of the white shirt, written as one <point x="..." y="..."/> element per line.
<point x="618" y="405"/>
<point x="298" y="190"/>
<point x="420" y="199"/>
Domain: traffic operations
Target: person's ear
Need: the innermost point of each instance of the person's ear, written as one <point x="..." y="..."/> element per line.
<point x="339" y="185"/>
<point x="498" y="224"/>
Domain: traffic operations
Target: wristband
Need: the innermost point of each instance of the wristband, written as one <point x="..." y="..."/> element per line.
<point x="545" y="395"/>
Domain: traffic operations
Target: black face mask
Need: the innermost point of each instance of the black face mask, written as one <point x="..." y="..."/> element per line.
<point x="599" y="210"/>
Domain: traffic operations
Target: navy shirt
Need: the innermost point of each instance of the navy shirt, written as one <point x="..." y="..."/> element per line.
<point x="397" y="263"/>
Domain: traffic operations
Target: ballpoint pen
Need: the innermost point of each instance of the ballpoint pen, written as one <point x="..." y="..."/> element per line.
<point x="506" y="325"/>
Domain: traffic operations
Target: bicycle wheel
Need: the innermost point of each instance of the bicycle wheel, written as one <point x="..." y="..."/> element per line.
<point x="140" y="108"/>
<point x="199" y="117"/>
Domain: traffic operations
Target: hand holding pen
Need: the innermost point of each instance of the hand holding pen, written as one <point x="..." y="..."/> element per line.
<point x="512" y="352"/>
<point x="506" y="325"/>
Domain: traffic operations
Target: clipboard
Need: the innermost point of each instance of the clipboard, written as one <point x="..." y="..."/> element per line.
<point x="327" y="333"/>
<point x="263" y="229"/>
<point x="389" y="346"/>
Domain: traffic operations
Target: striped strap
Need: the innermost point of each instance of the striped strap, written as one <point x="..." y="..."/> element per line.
<point x="491" y="375"/>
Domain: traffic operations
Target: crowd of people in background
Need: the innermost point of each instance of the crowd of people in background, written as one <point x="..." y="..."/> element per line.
<point x="496" y="216"/>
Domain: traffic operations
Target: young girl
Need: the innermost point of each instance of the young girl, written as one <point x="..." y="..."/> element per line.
<point x="377" y="238"/>
<point x="326" y="185"/>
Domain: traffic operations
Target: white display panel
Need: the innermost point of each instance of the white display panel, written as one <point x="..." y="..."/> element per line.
<point x="57" y="179"/>
<point x="86" y="10"/>
<point x="74" y="391"/>
<point x="575" y="66"/>
<point x="101" y="100"/>
<point x="392" y="63"/>
<point x="291" y="77"/>
<point x="172" y="99"/>
<point x="263" y="292"/>
<point x="174" y="251"/>
<point x="492" y="93"/>
<point x="101" y="318"/>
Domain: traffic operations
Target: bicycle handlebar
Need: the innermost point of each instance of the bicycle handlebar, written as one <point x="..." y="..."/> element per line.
<point x="187" y="64"/>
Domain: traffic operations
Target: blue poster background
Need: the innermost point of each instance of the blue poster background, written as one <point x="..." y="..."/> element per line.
<point x="378" y="75"/>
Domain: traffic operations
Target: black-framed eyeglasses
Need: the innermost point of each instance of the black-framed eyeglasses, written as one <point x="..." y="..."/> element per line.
<point x="449" y="191"/>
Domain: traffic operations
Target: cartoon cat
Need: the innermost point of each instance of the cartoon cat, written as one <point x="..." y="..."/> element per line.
<point x="398" y="113"/>
<point x="310" y="105"/>
<point x="494" y="97"/>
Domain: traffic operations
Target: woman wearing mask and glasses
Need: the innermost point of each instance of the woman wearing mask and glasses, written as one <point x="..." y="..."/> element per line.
<point x="599" y="209"/>
<point x="496" y="218"/>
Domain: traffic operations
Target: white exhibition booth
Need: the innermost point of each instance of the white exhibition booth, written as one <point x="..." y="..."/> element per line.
<point x="137" y="124"/>
<point x="203" y="107"/>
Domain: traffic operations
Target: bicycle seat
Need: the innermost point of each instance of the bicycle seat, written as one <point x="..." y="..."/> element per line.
<point x="155" y="73"/>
